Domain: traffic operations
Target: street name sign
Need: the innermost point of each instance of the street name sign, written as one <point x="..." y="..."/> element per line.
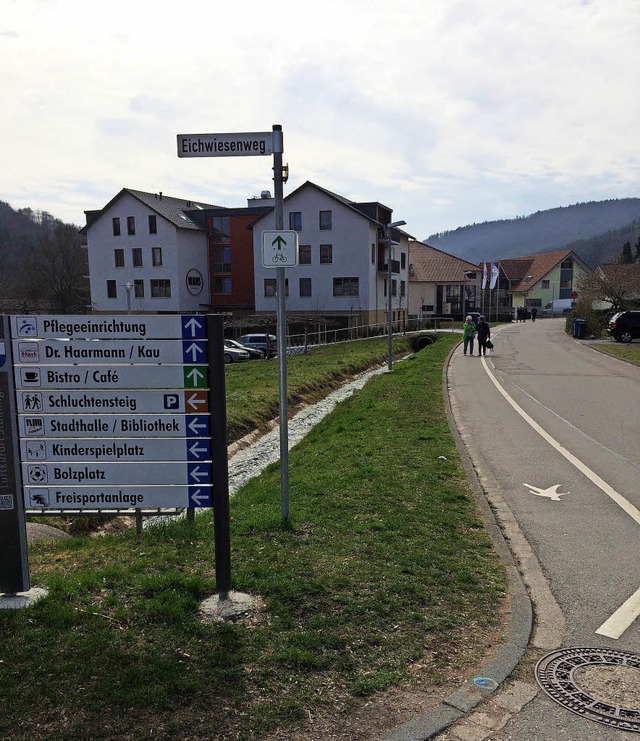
<point x="226" y="145"/>
<point x="279" y="249"/>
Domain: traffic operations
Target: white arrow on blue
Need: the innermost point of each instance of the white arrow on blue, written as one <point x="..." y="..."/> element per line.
<point x="192" y="352"/>
<point x="199" y="474"/>
<point x="198" y="451"/>
<point x="199" y="497"/>
<point x="193" y="326"/>
<point x="197" y="425"/>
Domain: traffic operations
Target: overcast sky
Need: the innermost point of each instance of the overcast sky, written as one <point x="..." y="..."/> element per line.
<point x="450" y="112"/>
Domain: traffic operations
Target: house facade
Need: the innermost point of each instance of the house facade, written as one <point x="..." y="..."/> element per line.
<point x="148" y="253"/>
<point x="441" y="284"/>
<point x="342" y="273"/>
<point x="537" y="280"/>
<point x="231" y="256"/>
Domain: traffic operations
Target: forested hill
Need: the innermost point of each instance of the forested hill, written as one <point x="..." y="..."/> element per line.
<point x="596" y="231"/>
<point x="20" y="231"/>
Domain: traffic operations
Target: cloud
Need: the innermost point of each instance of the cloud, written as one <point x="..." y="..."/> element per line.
<point x="449" y="112"/>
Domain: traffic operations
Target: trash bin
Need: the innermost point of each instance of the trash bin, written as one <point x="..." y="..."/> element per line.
<point x="579" y="329"/>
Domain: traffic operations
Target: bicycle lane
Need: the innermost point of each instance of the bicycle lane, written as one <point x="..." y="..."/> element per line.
<point x="575" y="542"/>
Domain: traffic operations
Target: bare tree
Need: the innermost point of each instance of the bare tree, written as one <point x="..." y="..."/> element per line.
<point x="618" y="285"/>
<point x="56" y="271"/>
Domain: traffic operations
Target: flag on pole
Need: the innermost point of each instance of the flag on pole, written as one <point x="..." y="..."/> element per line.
<point x="494" y="276"/>
<point x="484" y="276"/>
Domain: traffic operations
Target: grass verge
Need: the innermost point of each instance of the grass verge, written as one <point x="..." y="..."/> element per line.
<point x="630" y="352"/>
<point x="385" y="565"/>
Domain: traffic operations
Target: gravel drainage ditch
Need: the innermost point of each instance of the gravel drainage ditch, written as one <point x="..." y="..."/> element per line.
<point x="602" y="685"/>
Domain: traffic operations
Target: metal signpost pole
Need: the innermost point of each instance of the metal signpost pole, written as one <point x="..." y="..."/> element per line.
<point x="389" y="304"/>
<point x="14" y="567"/>
<point x="282" y="327"/>
<point x="220" y="467"/>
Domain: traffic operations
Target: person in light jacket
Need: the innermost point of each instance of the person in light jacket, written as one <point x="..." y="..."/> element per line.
<point x="484" y="333"/>
<point x="468" y="333"/>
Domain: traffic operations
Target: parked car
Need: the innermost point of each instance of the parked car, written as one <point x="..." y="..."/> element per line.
<point x="235" y="355"/>
<point x="265" y="342"/>
<point x="624" y="326"/>
<point x="254" y="352"/>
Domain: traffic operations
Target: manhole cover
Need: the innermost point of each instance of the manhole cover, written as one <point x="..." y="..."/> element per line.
<point x="602" y="685"/>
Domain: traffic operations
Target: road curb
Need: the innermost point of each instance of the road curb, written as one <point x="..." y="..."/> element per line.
<point x="488" y="677"/>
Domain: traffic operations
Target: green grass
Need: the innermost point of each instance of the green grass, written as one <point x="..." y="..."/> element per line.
<point x="252" y="388"/>
<point x="385" y="563"/>
<point x="629" y="352"/>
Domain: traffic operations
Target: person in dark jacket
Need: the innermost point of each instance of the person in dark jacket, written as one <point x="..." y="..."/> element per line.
<point x="484" y="333"/>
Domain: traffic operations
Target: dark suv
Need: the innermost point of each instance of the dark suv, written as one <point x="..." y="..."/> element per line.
<point x="624" y="326"/>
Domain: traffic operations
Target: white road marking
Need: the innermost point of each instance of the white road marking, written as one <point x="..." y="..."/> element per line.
<point x="550" y="492"/>
<point x="622" y="618"/>
<point x="616" y="625"/>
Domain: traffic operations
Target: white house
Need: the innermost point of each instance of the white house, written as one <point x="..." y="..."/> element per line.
<point x="342" y="271"/>
<point x="148" y="253"/>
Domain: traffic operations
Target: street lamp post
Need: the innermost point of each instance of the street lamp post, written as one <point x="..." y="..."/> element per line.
<point x="390" y="226"/>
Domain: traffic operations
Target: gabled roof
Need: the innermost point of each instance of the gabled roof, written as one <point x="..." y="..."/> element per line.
<point x="360" y="209"/>
<point x="525" y="272"/>
<point x="429" y="264"/>
<point x="181" y="212"/>
<point x="626" y="272"/>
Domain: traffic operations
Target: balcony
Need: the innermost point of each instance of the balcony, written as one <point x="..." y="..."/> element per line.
<point x="395" y="267"/>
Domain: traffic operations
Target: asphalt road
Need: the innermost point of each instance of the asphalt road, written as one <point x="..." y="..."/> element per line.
<point x="553" y="429"/>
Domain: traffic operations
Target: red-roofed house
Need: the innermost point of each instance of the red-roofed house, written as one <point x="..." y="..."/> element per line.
<point x="537" y="280"/>
<point x="441" y="284"/>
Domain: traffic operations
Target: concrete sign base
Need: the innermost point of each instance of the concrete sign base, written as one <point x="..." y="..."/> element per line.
<point x="21" y="599"/>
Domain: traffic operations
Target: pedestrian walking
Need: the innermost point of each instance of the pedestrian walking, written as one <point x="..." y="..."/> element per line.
<point x="534" y="311"/>
<point x="468" y="333"/>
<point x="484" y="333"/>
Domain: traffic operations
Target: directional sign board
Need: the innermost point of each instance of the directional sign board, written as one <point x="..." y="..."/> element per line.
<point x="116" y="497"/>
<point x="279" y="249"/>
<point x="64" y="351"/>
<point x="111" y="376"/>
<point x="140" y="401"/>
<point x="109" y="327"/>
<point x="113" y="412"/>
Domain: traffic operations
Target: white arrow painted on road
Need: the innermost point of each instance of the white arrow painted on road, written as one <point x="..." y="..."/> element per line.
<point x="551" y="492"/>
